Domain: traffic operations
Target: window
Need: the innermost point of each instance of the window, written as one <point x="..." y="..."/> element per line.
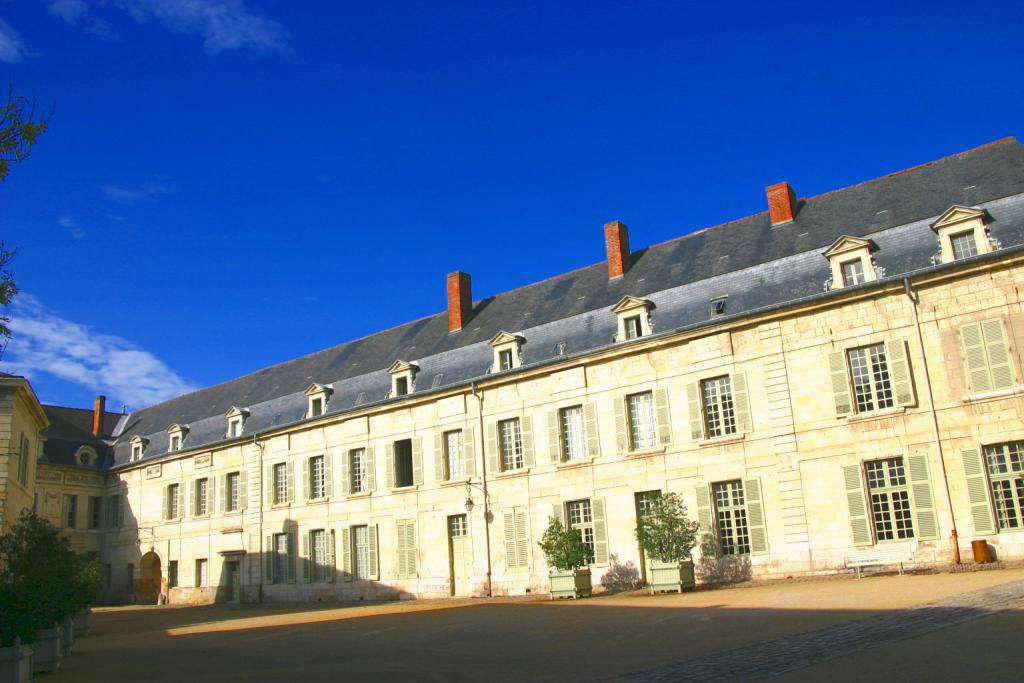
<point x="890" y="499"/>
<point x="731" y="518"/>
<point x="234" y="427"/>
<point x="176" y="437"/>
<point x="719" y="410"/>
<point x="361" y="551"/>
<point x="138" y="447"/>
<point x="171" y="503"/>
<point x="136" y="452"/>
<point x="853" y="272"/>
<point x="870" y="372"/>
<point x="633" y="327"/>
<point x="580" y="517"/>
<point x="172" y="574"/>
<point x="23" y="461"/>
<point x="963" y="244"/>
<point x="511" y="444"/>
<point x="316" y="407"/>
<point x="358" y="469"/>
<point x="114" y="511"/>
<point x="280" y="483"/>
<point x="718" y="306"/>
<point x="201" y="578"/>
<point x="634" y="317"/>
<point x="506" y="351"/>
<point x="1006" y="478"/>
<point x="317" y="395"/>
<point x="233" y="492"/>
<point x="70" y="511"/>
<point x="280" y="558"/>
<point x="401" y="386"/>
<point x="454" y="461"/>
<point x="574" y="446"/>
<point x="642" y="427"/>
<point x="175" y="442"/>
<point x="95" y="512"/>
<point x="403" y="463"/>
<point x="505" y="359"/>
<point x="317" y="481"/>
<point x="458" y="527"/>
<point x="202" y="492"/>
<point x="318" y="554"/>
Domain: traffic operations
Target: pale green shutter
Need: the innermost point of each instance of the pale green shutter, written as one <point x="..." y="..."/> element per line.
<point x="389" y="465"/>
<point x="998" y="353"/>
<point x="840" y="383"/>
<point x="704" y="509"/>
<point x="346" y="552"/>
<point x="292" y="556"/>
<point x="600" y="531"/>
<point x="755" y="516"/>
<point x="663" y="416"/>
<point x="469" y="451"/>
<point x="740" y="402"/>
<point x="329" y="474"/>
<point x="977" y="491"/>
<point x="621" y="427"/>
<point x="290" y="481"/>
<point x="371" y="469"/>
<point x="346" y="473"/>
<point x="973" y="344"/>
<point x="243" y="489"/>
<point x="307" y="559"/>
<point x="493" y="461"/>
<point x="401" y="548"/>
<point x="522" y="539"/>
<point x="268" y="487"/>
<point x="224" y="493"/>
<point x="856" y="504"/>
<point x="696" y="417"/>
<point x="899" y="372"/>
<point x="211" y="493"/>
<point x="371" y="553"/>
<point x="299" y="483"/>
<point x="511" y="561"/>
<point x="554" y="447"/>
<point x="331" y="569"/>
<point x="924" y="504"/>
<point x="268" y="556"/>
<point x="593" y="440"/>
<point x="181" y="500"/>
<point x="190" y="497"/>
<point x="439" y="468"/>
<point x="417" y="460"/>
<point x="558" y="512"/>
<point x="410" y="549"/>
<point x="167" y="503"/>
<point x="526" y="432"/>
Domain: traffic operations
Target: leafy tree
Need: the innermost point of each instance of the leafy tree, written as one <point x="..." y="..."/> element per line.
<point x="19" y="129"/>
<point x="665" y="532"/>
<point x="7" y="290"/>
<point x="564" y="548"/>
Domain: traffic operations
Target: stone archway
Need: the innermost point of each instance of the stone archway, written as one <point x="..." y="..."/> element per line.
<point x="147" y="587"/>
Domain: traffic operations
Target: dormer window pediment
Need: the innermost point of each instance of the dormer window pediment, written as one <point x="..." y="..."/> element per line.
<point x="507" y="351"/>
<point x="317" y="396"/>
<point x="403" y="376"/>
<point x="962" y="233"/>
<point x="851" y="261"/>
<point x="176" y="434"/>
<point x="138" y="447"/>
<point x="236" y="421"/>
<point x="634" y="316"/>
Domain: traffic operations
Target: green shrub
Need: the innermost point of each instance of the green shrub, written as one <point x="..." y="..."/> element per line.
<point x="564" y="548"/>
<point x="665" y="532"/>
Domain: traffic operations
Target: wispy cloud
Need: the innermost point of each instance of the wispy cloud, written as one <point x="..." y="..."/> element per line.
<point x="138" y="193"/>
<point x="12" y="47"/>
<point x="45" y="343"/>
<point x="67" y="222"/>
<point x="222" y="24"/>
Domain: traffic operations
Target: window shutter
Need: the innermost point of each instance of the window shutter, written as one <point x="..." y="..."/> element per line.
<point x="973" y="344"/>
<point x="211" y="493"/>
<point x="924" y="504"/>
<point x="558" y="512"/>
<point x="522" y="539"/>
<point x="840" y="383"/>
<point x="290" y="481"/>
<point x="329" y="474"/>
<point x="600" y="531"/>
<point x="410" y="549"/>
<point x="663" y="416"/>
<point x="346" y="553"/>
<point x="371" y="469"/>
<point x="977" y="491"/>
<point x="268" y="565"/>
<point x="243" y="489"/>
<point x="291" y="556"/>
<point x="346" y="473"/>
<point x="493" y="461"/>
<point x="389" y="465"/>
<point x="299" y="483"/>
<point x="417" y="460"/>
<point x="704" y="509"/>
<point x="400" y="533"/>
<point x="740" y="401"/>
<point x="331" y="569"/>
<point x="998" y="352"/>
<point x="191" y="498"/>
<point x="696" y="417"/>
<point x="371" y="553"/>
<point x="899" y="371"/>
<point x="526" y="432"/>
<point x="439" y="469"/>
<point x="224" y="493"/>
<point x="621" y="435"/>
<point x="268" y="487"/>
<point x="755" y="516"/>
<point x="855" y="501"/>
<point x="511" y="557"/>
<point x="554" y="447"/>
<point x="181" y="501"/>
<point x="593" y="440"/>
<point x="469" y="451"/>
<point x="307" y="559"/>
<point x="167" y="503"/>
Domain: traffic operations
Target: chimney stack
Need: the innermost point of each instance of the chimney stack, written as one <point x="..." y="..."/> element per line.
<point x="99" y="408"/>
<point x="616" y="242"/>
<point x="781" y="203"/>
<point x="460" y="300"/>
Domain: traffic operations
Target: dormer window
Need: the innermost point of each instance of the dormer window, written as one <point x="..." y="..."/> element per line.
<point x="402" y="375"/>
<point x="176" y="437"/>
<point x="718" y="306"/>
<point x="138" y="445"/>
<point x="634" y="318"/>
<point x="236" y="421"/>
<point x="962" y="233"/>
<point x="506" y="351"/>
<point x="317" y="395"/>
<point x="86" y="456"/>
<point x="851" y="261"/>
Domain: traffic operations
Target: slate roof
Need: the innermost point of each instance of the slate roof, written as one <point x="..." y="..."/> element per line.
<point x="71" y="428"/>
<point x="756" y="265"/>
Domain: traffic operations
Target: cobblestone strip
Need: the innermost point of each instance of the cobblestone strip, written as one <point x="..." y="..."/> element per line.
<point x="799" y="651"/>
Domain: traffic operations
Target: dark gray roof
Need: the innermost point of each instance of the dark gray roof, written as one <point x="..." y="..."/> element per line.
<point x="69" y="430"/>
<point x="753" y="263"/>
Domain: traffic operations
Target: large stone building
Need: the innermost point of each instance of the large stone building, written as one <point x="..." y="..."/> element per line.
<point x="838" y="373"/>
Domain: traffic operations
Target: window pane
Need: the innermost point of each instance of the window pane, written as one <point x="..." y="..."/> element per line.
<point x="316" y="477"/>
<point x="511" y="445"/>
<point x="280" y="483"/>
<point x="358" y="465"/>
<point x="890" y="499"/>
<point x="574" y="445"/>
<point x="233" y="491"/>
<point x="633" y="327"/>
<point x="505" y="359"/>
<point x="1006" y="477"/>
<point x="454" y="465"/>
<point x="319" y="555"/>
<point x="853" y="272"/>
<point x="641" y="421"/>
<point x="719" y="414"/>
<point x="869" y="369"/>
<point x="964" y="245"/>
<point x="731" y="517"/>
<point x="200" y="502"/>
<point x="280" y="558"/>
<point x="580" y="517"/>
<point x="361" y="548"/>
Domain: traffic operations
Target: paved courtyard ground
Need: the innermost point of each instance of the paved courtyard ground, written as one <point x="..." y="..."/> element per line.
<point x="948" y="627"/>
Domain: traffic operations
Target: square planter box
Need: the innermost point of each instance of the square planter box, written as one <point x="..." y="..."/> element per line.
<point x="571" y="584"/>
<point x="16" y="663"/>
<point x="47" y="650"/>
<point x="67" y="636"/>
<point x="671" y="576"/>
<point x="81" y="623"/>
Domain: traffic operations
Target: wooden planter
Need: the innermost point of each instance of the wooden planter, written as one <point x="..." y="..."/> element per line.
<point x="67" y="636"/>
<point x="47" y="650"/>
<point x="81" y="622"/>
<point x="671" y="576"/>
<point x="16" y="663"/>
<point x="571" y="584"/>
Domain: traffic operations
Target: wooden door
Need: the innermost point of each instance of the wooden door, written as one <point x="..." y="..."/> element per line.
<point x="461" y="555"/>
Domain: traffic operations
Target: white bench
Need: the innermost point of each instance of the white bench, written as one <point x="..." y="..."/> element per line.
<point x="879" y="557"/>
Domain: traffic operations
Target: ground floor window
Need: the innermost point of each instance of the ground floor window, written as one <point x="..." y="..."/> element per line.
<point x="890" y="499"/>
<point x="318" y="551"/>
<point x="280" y="558"/>
<point x="201" y="577"/>
<point x="580" y="517"/>
<point x="1006" y="477"/>
<point x="731" y="517"/>
<point x="172" y="574"/>
<point x="361" y="551"/>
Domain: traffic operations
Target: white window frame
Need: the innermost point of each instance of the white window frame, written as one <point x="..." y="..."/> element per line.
<point x="236" y="418"/>
<point x="628" y="310"/>
<point x="510" y="447"/>
<point x="876" y="393"/>
<point x="359" y="482"/>
<point x="317" y="395"/>
<point x="846" y="250"/>
<point x="887" y="493"/>
<point x="138" y="445"/>
<point x="957" y="220"/>
<point x="173" y="493"/>
<point x="176" y="434"/>
<point x="279" y="472"/>
<point x="724" y="405"/>
<point x="572" y="436"/>
<point x="311" y="475"/>
<point x="507" y="343"/>
<point x="402" y="373"/>
<point x="640" y="420"/>
<point x="201" y="496"/>
<point x="233" y="494"/>
<point x="453" y="443"/>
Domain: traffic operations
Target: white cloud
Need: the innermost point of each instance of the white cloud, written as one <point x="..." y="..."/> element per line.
<point x="138" y="193"/>
<point x="45" y="343"/>
<point x="67" y="222"/>
<point x="12" y="47"/>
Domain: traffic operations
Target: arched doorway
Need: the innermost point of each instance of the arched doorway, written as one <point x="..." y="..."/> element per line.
<point x="147" y="587"/>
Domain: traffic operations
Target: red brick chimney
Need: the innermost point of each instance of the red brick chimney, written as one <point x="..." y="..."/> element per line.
<point x="616" y="243"/>
<point x="781" y="202"/>
<point x="460" y="300"/>
<point x="99" y="408"/>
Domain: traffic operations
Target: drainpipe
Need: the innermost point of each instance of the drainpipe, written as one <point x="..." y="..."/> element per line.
<point x="954" y="538"/>
<point x="483" y="477"/>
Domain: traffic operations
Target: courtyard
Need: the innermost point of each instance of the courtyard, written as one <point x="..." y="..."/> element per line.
<point x="947" y="626"/>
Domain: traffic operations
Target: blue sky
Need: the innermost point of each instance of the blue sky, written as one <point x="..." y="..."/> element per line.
<point x="230" y="184"/>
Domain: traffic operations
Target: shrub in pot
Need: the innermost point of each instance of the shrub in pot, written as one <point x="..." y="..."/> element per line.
<point x="567" y="558"/>
<point x="89" y="583"/>
<point x="668" y="537"/>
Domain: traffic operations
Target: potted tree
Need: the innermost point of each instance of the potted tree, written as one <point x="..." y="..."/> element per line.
<point x="668" y="537"/>
<point x="15" y="656"/>
<point x="567" y="558"/>
<point x="89" y="585"/>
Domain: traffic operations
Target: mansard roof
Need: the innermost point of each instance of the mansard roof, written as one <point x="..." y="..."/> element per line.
<point x="755" y="264"/>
